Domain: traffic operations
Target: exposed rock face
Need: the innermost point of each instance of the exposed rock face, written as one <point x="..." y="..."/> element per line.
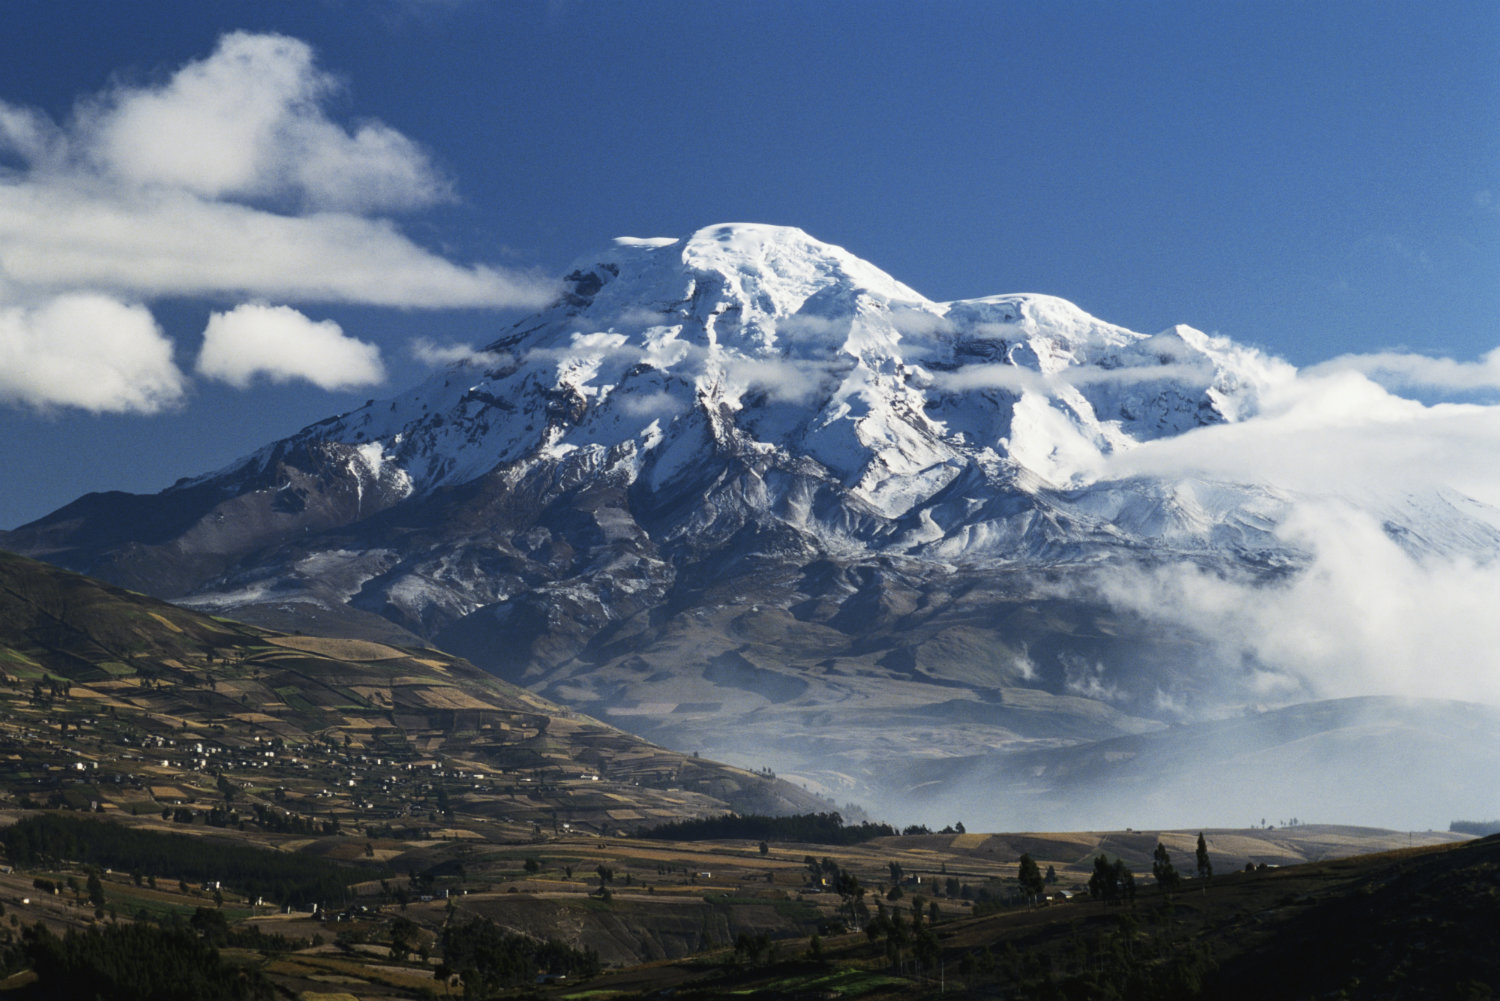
<point x="745" y="493"/>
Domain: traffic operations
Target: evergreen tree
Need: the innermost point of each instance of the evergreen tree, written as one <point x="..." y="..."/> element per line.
<point x="1161" y="868"/>
<point x="1032" y="883"/>
<point x="1205" y="866"/>
<point x="1124" y="881"/>
<point x="95" y="890"/>
<point x="1103" y="884"/>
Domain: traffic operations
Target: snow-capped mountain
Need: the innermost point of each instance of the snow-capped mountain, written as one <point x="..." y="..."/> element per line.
<point x="743" y="486"/>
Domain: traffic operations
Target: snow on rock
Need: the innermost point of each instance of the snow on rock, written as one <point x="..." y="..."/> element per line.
<point x="665" y="358"/>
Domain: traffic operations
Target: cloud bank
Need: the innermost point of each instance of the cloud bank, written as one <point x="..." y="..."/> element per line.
<point x="1373" y="609"/>
<point x="227" y="179"/>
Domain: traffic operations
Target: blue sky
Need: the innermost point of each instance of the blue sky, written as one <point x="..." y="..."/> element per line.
<point x="1317" y="179"/>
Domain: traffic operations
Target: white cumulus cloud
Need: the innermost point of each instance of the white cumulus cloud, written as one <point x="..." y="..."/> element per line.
<point x="87" y="351"/>
<point x="249" y="121"/>
<point x="282" y="345"/>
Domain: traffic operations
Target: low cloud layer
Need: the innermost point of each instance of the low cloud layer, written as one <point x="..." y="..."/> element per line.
<point x="1329" y="434"/>
<point x="1363" y="617"/>
<point x="280" y="344"/>
<point x="1374" y="609"/>
<point x="1018" y="379"/>
<point x="229" y="178"/>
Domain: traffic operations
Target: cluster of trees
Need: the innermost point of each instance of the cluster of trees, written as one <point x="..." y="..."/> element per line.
<point x="488" y="958"/>
<point x="810" y="828"/>
<point x="135" y="962"/>
<point x="211" y="925"/>
<point x="910" y="945"/>
<point x="1033" y="883"/>
<point x="1112" y="882"/>
<point x="1163" y="870"/>
<point x="757" y="949"/>
<point x="1128" y="960"/>
<point x="282" y="822"/>
<point x="300" y="880"/>
<point x="844" y="883"/>
<point x="911" y="829"/>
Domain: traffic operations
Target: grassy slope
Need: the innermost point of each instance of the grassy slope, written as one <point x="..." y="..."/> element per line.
<point x="1415" y="923"/>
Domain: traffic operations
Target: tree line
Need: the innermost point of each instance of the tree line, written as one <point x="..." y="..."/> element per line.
<point x="487" y="958"/>
<point x="132" y="962"/>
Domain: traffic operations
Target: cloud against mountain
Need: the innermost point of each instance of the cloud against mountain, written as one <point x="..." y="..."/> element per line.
<point x="227" y="178"/>
<point x="1330" y="434"/>
<point x="1364" y="614"/>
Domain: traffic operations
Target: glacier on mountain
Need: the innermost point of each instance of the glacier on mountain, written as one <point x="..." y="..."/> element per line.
<point x="762" y="342"/>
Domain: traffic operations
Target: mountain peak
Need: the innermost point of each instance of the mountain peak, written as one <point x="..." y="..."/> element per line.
<point x="728" y="479"/>
<point x="802" y="265"/>
<point x="666" y="354"/>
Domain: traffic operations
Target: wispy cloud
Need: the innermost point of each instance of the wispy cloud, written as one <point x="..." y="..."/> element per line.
<point x="1403" y="370"/>
<point x="429" y="352"/>
<point x="780" y="379"/>
<point x="280" y="344"/>
<point x="228" y="178"/>
<point x="1019" y="379"/>
<point x="58" y="234"/>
